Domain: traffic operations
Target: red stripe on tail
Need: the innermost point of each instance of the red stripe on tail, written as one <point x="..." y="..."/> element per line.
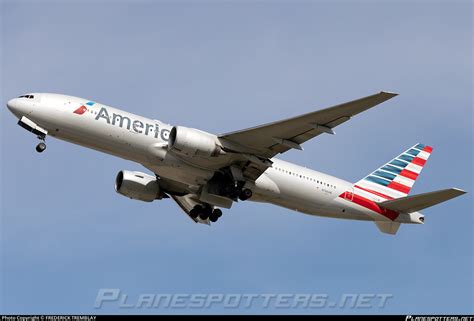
<point x="409" y="174"/>
<point x="419" y="161"/>
<point x="399" y="187"/>
<point x="428" y="149"/>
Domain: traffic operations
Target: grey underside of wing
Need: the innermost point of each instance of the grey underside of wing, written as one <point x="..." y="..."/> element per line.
<point x="263" y="140"/>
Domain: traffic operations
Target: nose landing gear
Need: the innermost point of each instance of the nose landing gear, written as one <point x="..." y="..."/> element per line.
<point x="41" y="146"/>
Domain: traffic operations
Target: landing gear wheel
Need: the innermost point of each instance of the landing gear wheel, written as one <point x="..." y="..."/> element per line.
<point x="216" y="213"/>
<point x="194" y="213"/>
<point x="245" y="194"/>
<point x="40" y="147"/>
<point x="206" y="212"/>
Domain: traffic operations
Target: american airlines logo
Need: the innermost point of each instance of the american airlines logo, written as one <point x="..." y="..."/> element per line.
<point x="81" y="110"/>
<point x="136" y="125"/>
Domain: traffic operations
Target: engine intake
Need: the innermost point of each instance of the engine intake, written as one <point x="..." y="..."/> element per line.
<point x="193" y="142"/>
<point x="138" y="186"/>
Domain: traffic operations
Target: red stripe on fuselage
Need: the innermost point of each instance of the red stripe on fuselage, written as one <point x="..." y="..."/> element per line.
<point x="374" y="192"/>
<point x="369" y="204"/>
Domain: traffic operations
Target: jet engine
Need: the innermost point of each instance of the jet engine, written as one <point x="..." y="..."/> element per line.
<point x="138" y="186"/>
<point x="193" y="142"/>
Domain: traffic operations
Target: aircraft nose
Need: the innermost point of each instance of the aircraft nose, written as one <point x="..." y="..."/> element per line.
<point x="12" y="105"/>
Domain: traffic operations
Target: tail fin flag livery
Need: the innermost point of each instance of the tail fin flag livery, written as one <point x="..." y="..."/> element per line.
<point x="396" y="178"/>
<point x="389" y="185"/>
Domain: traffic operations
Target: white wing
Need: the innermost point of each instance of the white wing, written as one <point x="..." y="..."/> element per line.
<point x="255" y="146"/>
<point x="277" y="137"/>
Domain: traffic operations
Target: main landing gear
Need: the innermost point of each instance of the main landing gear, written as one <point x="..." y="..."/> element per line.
<point x="41" y="146"/>
<point x="205" y="212"/>
<point x="229" y="183"/>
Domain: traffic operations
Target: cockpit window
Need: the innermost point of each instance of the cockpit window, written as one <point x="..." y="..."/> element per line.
<point x="27" y="96"/>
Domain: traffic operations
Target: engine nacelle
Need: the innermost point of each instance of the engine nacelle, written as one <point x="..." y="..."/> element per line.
<point x="138" y="186"/>
<point x="193" y="142"/>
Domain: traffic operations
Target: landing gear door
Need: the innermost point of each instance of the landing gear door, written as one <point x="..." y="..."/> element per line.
<point x="29" y="125"/>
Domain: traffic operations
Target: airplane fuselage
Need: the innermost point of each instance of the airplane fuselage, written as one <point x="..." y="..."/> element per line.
<point x="142" y="140"/>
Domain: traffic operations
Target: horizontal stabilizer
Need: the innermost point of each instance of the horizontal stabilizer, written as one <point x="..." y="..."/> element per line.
<point x="409" y="204"/>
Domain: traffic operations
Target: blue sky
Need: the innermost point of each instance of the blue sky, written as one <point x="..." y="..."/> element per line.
<point x="219" y="67"/>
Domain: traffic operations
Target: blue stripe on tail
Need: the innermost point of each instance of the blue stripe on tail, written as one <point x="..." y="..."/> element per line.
<point x="398" y="163"/>
<point x="413" y="152"/>
<point x="384" y="175"/>
<point x="378" y="180"/>
<point x="392" y="169"/>
<point x="406" y="157"/>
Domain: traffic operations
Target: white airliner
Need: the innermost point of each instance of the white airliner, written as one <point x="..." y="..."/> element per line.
<point x="203" y="172"/>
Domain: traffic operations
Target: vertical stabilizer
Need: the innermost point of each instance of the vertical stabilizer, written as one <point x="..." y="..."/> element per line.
<point x="396" y="178"/>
